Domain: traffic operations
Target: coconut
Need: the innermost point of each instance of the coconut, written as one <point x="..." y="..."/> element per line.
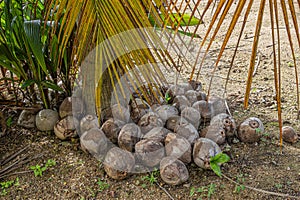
<point x="129" y="135"/>
<point x="178" y="147"/>
<point x="46" y="119"/>
<point x="203" y="150"/>
<point x="251" y="130"/>
<point x="66" y="127"/>
<point x="118" y="163"/>
<point x="173" y="171"/>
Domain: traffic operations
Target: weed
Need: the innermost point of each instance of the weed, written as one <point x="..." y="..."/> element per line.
<point x="192" y="191"/>
<point x="38" y="169"/>
<point x="239" y="187"/>
<point x="7" y="184"/>
<point x="211" y="190"/>
<point x="102" y="185"/>
<point x="152" y="177"/>
<point x="204" y="191"/>
<point x="9" y="122"/>
<point x="278" y="186"/>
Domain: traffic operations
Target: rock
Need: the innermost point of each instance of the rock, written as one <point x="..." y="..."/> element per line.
<point x="88" y="122"/>
<point x="149" y="121"/>
<point x="203" y="150"/>
<point x="188" y="131"/>
<point x="166" y="111"/>
<point x="289" y="134"/>
<point x="175" y="120"/>
<point x="27" y="119"/>
<point x="66" y="127"/>
<point x="46" y="119"/>
<point x="192" y="115"/>
<point x="129" y="135"/>
<point x="95" y="142"/>
<point x="181" y="102"/>
<point x="111" y="129"/>
<point x="118" y="163"/>
<point x="149" y="152"/>
<point x="173" y="171"/>
<point x="250" y="130"/>
<point x="178" y="147"/>
<point x="157" y="134"/>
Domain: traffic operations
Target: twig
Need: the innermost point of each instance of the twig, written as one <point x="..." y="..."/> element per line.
<point x="256" y="66"/>
<point x="12" y="156"/>
<point x="260" y="190"/>
<point x="15" y="173"/>
<point x="161" y="187"/>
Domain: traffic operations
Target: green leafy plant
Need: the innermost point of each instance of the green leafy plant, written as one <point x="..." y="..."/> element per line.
<point x="239" y="187"/>
<point x="216" y="161"/>
<point x="9" y="122"/>
<point x="205" y="191"/>
<point x="38" y="169"/>
<point x="167" y="97"/>
<point x="7" y="184"/>
<point x="152" y="177"/>
<point x="102" y="185"/>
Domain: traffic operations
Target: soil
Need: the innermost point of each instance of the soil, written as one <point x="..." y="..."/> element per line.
<point x="262" y="166"/>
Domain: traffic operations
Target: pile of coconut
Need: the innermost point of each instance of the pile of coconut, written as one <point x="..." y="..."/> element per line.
<point x="168" y="135"/>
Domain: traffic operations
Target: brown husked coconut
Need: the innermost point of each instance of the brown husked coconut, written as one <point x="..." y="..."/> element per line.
<point x="66" y="127"/>
<point x="46" y="119"/>
<point x="196" y="85"/>
<point x="88" y="122"/>
<point x="289" y="134"/>
<point x="250" y="130"/>
<point x="218" y="104"/>
<point x="149" y="152"/>
<point x="118" y="163"/>
<point x="173" y="121"/>
<point x="192" y="115"/>
<point x="181" y="102"/>
<point x="111" y="129"/>
<point x="138" y="108"/>
<point x="27" y="119"/>
<point x="178" y="147"/>
<point x="149" y="121"/>
<point x="205" y="109"/>
<point x="157" y="134"/>
<point x="188" y="131"/>
<point x="166" y="111"/>
<point x="193" y="96"/>
<point x="95" y="142"/>
<point x="226" y="121"/>
<point x="120" y="112"/>
<point x="65" y="107"/>
<point x="173" y="171"/>
<point x="216" y="133"/>
<point x="179" y="89"/>
<point x="203" y="150"/>
<point x="129" y="135"/>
